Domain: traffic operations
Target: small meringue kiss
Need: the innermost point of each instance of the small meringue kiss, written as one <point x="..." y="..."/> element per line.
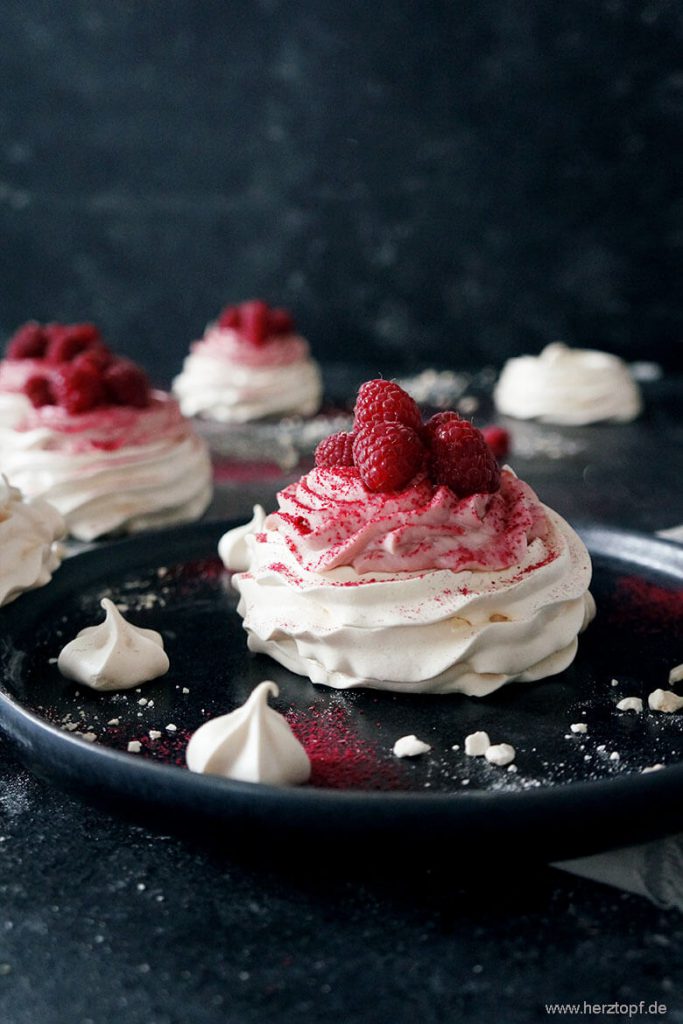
<point x="254" y="743"/>
<point x="114" y="655"/>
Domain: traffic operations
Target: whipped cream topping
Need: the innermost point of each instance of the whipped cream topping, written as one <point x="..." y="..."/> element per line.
<point x="227" y="379"/>
<point x="568" y="386"/>
<point x="252" y="744"/>
<point x="329" y="518"/>
<point x="425" y="629"/>
<point x="114" y="655"/>
<point x="30" y="531"/>
<point x="113" y="469"/>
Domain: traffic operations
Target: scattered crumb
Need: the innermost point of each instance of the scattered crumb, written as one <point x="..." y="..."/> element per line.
<point x="630" y="704"/>
<point x="601" y="749"/>
<point x="579" y="727"/>
<point x="89" y="737"/>
<point x="142" y="701"/>
<point x="652" y="768"/>
<point x="113" y="721"/>
<point x="676" y="675"/>
<point x="512" y="768"/>
<point x="477" y="743"/>
<point x="456" y="746"/>
<point x="150" y="703"/>
<point x="154" y="734"/>
<point x="614" y="756"/>
<point x="615" y="682"/>
<point x="185" y="689"/>
<point x="662" y="700"/>
<point x="171" y="727"/>
<point x="134" y="747"/>
<point x="500" y="754"/>
<point x="409" y="746"/>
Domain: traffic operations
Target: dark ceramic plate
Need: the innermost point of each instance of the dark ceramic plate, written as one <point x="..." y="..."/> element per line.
<point x="570" y="794"/>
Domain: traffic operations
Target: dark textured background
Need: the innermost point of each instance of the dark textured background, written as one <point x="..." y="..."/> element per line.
<point x="435" y="181"/>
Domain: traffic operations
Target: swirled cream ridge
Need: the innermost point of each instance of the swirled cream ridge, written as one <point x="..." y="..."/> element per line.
<point x="110" y="470"/>
<point x="30" y="531"/>
<point x="509" y="610"/>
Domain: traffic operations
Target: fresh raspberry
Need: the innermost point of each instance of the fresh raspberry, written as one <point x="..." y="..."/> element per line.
<point x="335" y="450"/>
<point x="78" y="388"/>
<point x="461" y="458"/>
<point x="498" y="440"/>
<point x="28" y="342"/>
<point x="280" y="321"/>
<point x="96" y="356"/>
<point x="66" y="341"/>
<point x="126" y="384"/>
<point x="229" y="318"/>
<point x="432" y="425"/>
<point x="254" y="321"/>
<point x="388" y="455"/>
<point x="38" y="390"/>
<point x="383" y="401"/>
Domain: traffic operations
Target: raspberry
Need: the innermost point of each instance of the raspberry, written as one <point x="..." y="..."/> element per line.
<point x="229" y="318"/>
<point x="126" y="384"/>
<point x="38" y="390"/>
<point x="78" y="388"/>
<point x="97" y="356"/>
<point x="280" y="321"/>
<point x="28" y="342"/>
<point x="388" y="455"/>
<point x="498" y="440"/>
<point x="437" y="421"/>
<point x="254" y="321"/>
<point x="383" y="401"/>
<point x="66" y="341"/>
<point x="335" y="450"/>
<point x="460" y="457"/>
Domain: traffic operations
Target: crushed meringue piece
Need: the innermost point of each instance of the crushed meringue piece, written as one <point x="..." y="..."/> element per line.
<point x="579" y="727"/>
<point x="476" y="744"/>
<point x="134" y="747"/>
<point x="630" y="704"/>
<point x="652" y="768"/>
<point x="676" y="675"/>
<point x="410" y="746"/>
<point x="664" y="700"/>
<point x="500" y="754"/>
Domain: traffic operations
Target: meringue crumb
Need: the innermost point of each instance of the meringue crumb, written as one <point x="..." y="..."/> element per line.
<point x="662" y="700"/>
<point x="500" y="754"/>
<point x="676" y="675"/>
<point x="614" y="756"/>
<point x="630" y="704"/>
<point x="171" y="727"/>
<point x="142" y="701"/>
<point x="134" y="747"/>
<point x="456" y="746"/>
<point x="113" y="721"/>
<point x="410" y="746"/>
<point x="652" y="768"/>
<point x="154" y="734"/>
<point x="579" y="727"/>
<point x="89" y="737"/>
<point x="601" y="749"/>
<point x="185" y="689"/>
<point x="512" y="768"/>
<point x="615" y="682"/>
<point x="476" y="744"/>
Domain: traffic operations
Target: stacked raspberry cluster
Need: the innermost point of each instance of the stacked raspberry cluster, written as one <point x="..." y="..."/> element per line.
<point x="390" y="445"/>
<point x="255" y="321"/>
<point x="75" y="370"/>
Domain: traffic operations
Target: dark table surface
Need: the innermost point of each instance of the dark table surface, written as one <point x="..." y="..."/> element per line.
<point x="102" y="920"/>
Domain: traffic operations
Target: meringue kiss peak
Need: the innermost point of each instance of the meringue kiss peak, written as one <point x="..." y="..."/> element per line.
<point x="407" y="560"/>
<point x="81" y="428"/>
<point x="251" y="364"/>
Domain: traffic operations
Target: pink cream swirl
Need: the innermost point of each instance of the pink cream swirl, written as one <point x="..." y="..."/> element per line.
<point x="329" y="518"/>
<point x="227" y="345"/>
<point x="107" y="428"/>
